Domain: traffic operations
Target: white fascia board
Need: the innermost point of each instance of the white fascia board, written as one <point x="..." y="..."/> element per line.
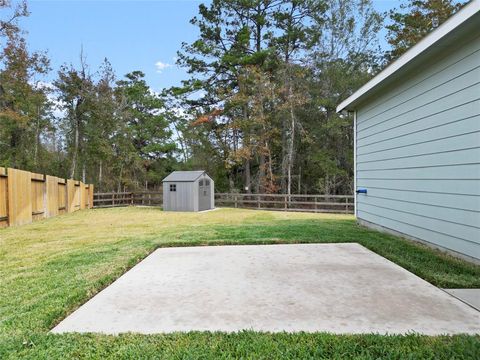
<point x="443" y="30"/>
<point x="355" y="162"/>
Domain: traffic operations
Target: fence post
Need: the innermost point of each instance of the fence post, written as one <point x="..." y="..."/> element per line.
<point x="346" y="204"/>
<point x="3" y="198"/>
<point x="44" y="191"/>
<point x="285" y="202"/>
<point x="83" y="200"/>
<point x="316" y="206"/>
<point x="91" y="187"/>
<point x="113" y="199"/>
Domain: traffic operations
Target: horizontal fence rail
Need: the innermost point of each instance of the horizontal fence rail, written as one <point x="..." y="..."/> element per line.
<point x="115" y="199"/>
<point x="306" y="203"/>
<point x="27" y="197"/>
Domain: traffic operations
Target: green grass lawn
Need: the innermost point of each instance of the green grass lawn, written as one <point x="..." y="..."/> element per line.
<point x="49" y="268"/>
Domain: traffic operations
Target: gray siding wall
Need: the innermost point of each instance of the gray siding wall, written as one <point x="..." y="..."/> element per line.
<point x="212" y="193"/>
<point x="195" y="195"/>
<point x="180" y="200"/>
<point x="418" y="153"/>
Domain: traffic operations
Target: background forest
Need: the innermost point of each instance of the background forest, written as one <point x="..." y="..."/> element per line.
<point x="258" y="111"/>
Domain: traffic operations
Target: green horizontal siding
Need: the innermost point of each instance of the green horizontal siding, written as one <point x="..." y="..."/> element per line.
<point x="418" y="152"/>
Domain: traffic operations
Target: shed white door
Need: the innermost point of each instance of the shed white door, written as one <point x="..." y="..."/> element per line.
<point x="204" y="194"/>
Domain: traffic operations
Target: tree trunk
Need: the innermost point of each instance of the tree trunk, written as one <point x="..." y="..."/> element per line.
<point x="100" y="174"/>
<point x="261" y="174"/>
<point x="183" y="146"/>
<point x="231" y="181"/>
<point x="291" y="144"/>
<point x="119" y="187"/>
<point x="270" y="168"/>
<point x="283" y="180"/>
<point x="248" y="177"/>
<point x="14" y="143"/>
<point x="37" y="138"/>
<point x="288" y="137"/>
<point x="75" y="151"/>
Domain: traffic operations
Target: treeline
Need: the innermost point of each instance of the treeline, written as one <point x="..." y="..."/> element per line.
<point x="86" y="124"/>
<point x="258" y="112"/>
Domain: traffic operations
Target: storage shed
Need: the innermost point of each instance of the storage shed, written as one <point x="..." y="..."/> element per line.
<point x="188" y="191"/>
<point x="417" y="140"/>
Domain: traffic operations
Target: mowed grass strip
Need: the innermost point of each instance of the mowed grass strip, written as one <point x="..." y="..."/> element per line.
<point x="49" y="268"/>
<point x="249" y="345"/>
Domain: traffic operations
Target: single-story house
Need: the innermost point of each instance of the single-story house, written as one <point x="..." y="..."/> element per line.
<point x="417" y="140"/>
<point x="188" y="191"/>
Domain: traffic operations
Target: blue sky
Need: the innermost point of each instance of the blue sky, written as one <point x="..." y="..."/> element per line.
<point x="133" y="35"/>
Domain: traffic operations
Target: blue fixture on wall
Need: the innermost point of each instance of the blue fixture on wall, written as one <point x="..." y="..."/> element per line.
<point x="361" y="191"/>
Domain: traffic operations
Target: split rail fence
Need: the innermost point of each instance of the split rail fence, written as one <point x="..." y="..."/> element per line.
<point x="306" y="203"/>
<point x="116" y="199"/>
<point x="26" y="197"/>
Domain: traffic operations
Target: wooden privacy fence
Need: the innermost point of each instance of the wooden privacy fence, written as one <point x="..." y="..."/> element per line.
<point x="26" y="196"/>
<point x="309" y="203"/>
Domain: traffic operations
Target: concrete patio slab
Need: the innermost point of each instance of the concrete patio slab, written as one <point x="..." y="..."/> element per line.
<point x="339" y="288"/>
<point x="470" y="296"/>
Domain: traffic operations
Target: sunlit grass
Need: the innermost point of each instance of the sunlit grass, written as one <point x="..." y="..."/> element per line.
<point x="49" y="268"/>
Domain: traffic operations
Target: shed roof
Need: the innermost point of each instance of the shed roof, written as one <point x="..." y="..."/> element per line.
<point x="466" y="20"/>
<point x="184" y="175"/>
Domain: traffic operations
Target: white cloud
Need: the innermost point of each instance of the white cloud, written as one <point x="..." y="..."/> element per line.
<point x="161" y="66"/>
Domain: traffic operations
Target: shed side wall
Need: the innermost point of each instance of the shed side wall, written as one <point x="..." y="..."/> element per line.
<point x="180" y="200"/>
<point x="418" y="153"/>
<point x="166" y="197"/>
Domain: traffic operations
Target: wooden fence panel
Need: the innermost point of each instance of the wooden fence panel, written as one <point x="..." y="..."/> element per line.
<point x="38" y="196"/>
<point x="62" y="196"/>
<point x="76" y="199"/>
<point x="19" y="197"/>
<point x="82" y="194"/>
<point x="3" y="198"/>
<point x="51" y="196"/>
<point x="71" y="195"/>
<point x="37" y="200"/>
<point x="26" y="196"/>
